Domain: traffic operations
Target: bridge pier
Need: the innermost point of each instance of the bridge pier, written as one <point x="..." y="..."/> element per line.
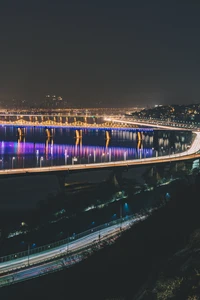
<point x="116" y="178"/>
<point x="107" y="135"/>
<point x="49" y="133"/>
<point x="139" y="136"/>
<point x="21" y="132"/>
<point x="62" y="179"/>
<point x="79" y="134"/>
<point x="153" y="171"/>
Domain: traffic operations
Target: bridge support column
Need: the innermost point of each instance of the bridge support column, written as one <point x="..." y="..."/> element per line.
<point x="21" y="132"/>
<point x="153" y="171"/>
<point x="48" y="134"/>
<point x="79" y="134"/>
<point x="107" y="135"/>
<point x="116" y="179"/>
<point x="62" y="179"/>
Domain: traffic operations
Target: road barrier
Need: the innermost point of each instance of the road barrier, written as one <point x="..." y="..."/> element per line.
<point x="65" y="241"/>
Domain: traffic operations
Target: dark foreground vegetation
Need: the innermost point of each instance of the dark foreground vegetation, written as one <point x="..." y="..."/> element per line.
<point x="156" y="259"/>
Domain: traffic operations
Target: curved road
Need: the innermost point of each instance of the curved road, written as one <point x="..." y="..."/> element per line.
<point x="32" y="270"/>
<point x="39" y="258"/>
<point x="191" y="153"/>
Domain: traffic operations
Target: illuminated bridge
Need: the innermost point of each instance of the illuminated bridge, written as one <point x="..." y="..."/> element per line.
<point x="60" y="121"/>
<point x="74" y="121"/>
<point x="189" y="154"/>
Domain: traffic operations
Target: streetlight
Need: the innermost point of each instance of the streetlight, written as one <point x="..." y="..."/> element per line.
<point x="74" y="159"/>
<point x="109" y="155"/>
<point x="13" y="158"/>
<point x="28" y="252"/>
<point x="120" y="216"/>
<point x="124" y="155"/>
<point x="102" y="156"/>
<point x="68" y="239"/>
<point x="89" y="158"/>
<point x="114" y="217"/>
<point x="41" y="159"/>
<point x="66" y="156"/>
<point x="29" y="247"/>
<point x="23" y="162"/>
<point x="92" y="226"/>
<point x="140" y="153"/>
<point x="1" y="160"/>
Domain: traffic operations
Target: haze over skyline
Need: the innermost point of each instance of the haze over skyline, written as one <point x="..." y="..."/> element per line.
<point x="112" y="53"/>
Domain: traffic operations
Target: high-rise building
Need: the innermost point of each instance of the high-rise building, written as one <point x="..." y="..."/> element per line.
<point x="53" y="101"/>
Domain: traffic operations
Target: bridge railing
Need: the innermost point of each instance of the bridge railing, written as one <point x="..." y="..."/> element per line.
<point x="65" y="241"/>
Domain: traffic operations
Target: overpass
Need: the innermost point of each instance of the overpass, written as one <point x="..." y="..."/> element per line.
<point x="8" y="268"/>
<point x="189" y="154"/>
<point x="192" y="153"/>
<point x="60" y="121"/>
<point x="159" y="125"/>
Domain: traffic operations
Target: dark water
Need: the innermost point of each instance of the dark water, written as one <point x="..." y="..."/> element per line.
<point x="34" y="149"/>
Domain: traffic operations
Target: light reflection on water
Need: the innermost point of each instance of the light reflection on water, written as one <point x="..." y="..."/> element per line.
<point x="33" y="149"/>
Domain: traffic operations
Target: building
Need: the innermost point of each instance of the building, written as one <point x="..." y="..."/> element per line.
<point x="53" y="101"/>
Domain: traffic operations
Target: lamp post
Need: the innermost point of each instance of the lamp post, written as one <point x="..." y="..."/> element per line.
<point x="124" y="155"/>
<point x="28" y="252"/>
<point x="102" y="156"/>
<point x="152" y="151"/>
<point x="41" y="160"/>
<point x="66" y="156"/>
<point x="67" y="243"/>
<point x="13" y="158"/>
<point x="23" y="162"/>
<point x="120" y="217"/>
<point x="74" y="159"/>
<point x="89" y="158"/>
<point x="30" y="245"/>
<point x="109" y="155"/>
<point x="140" y="153"/>
<point x="99" y="236"/>
<point x="161" y="151"/>
<point x="1" y="160"/>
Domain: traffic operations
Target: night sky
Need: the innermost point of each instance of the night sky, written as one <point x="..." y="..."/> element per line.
<point x="113" y="53"/>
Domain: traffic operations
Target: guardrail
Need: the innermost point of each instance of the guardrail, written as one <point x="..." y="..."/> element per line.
<point x="66" y="241"/>
<point x="69" y="261"/>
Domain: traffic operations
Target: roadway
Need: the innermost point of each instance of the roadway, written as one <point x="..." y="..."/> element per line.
<point x="150" y="124"/>
<point x="40" y="258"/>
<point x="189" y="154"/>
<point x="60" y="115"/>
<point x="39" y="263"/>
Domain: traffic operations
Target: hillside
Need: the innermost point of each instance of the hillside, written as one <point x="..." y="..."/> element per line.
<point x="155" y="254"/>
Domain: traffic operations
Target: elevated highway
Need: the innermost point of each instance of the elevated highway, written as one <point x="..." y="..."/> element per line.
<point x="158" y="125"/>
<point x="192" y="153"/>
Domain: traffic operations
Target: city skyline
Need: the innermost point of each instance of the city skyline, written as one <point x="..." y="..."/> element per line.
<point x="100" y="54"/>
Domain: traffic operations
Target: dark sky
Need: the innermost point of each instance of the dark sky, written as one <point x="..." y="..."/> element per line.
<point x="114" y="52"/>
